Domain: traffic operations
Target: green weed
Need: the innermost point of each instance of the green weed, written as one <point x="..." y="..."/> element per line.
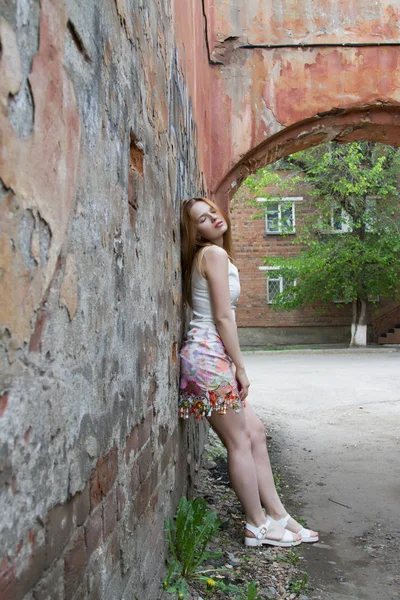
<point x="277" y="479"/>
<point x="293" y="558"/>
<point x="188" y="534"/>
<point x="297" y="586"/>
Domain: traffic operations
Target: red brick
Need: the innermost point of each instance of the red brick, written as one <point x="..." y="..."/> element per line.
<point x="132" y="214"/>
<point x="152" y="392"/>
<point x="36" y="337"/>
<point x="109" y="514"/>
<point x="75" y="565"/>
<point x="58" y="531"/>
<point x="8" y="582"/>
<point x="121" y="501"/>
<point x="162" y="435"/>
<point x="134" y="482"/>
<point x="51" y="586"/>
<point x="168" y="452"/>
<point x="144" y="429"/>
<point x="94" y="531"/>
<point x="132" y="444"/>
<point x="95" y="585"/>
<point x="32" y="571"/>
<point x="3" y="403"/>
<point x="143" y="497"/>
<point x="144" y="462"/>
<point x="251" y="245"/>
<point x="112" y="552"/>
<point x="155" y="477"/>
<point x="103" y="476"/>
<point x="81" y="505"/>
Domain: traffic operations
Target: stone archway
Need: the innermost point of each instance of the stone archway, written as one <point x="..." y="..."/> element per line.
<point x="369" y="123"/>
<point x="288" y="75"/>
<point x="373" y="123"/>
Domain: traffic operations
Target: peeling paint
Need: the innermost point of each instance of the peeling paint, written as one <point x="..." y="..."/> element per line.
<point x="41" y="168"/>
<point x="301" y="22"/>
<point x="276" y="89"/>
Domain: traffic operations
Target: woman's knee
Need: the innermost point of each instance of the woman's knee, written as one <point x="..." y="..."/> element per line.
<point x="239" y="440"/>
<point x="258" y="435"/>
<point x="232" y="429"/>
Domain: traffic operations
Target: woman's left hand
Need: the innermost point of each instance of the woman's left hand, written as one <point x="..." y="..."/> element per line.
<point x="243" y="383"/>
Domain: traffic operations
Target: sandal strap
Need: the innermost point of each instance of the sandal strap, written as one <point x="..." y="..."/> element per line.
<point x="259" y="532"/>
<point x="288" y="536"/>
<point x="282" y="522"/>
<point x="305" y="533"/>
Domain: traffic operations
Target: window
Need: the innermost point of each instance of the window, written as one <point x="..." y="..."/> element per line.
<point x="275" y="283"/>
<point x="340" y="220"/>
<point x="280" y="215"/>
<point x="370" y="213"/>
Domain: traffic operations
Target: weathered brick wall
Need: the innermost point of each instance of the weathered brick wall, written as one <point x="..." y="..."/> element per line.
<point x="98" y="145"/>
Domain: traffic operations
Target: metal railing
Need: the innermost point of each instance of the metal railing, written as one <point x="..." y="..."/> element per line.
<point x="385" y="321"/>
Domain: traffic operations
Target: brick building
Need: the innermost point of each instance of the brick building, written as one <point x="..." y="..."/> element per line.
<point x="259" y="324"/>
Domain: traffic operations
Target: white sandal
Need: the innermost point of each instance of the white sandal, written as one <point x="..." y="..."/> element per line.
<point x="286" y="541"/>
<point x="305" y="534"/>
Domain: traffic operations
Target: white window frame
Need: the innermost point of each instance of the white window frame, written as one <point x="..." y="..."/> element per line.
<point x="370" y="206"/>
<point x="279" y="278"/>
<point x="345" y="221"/>
<point x="280" y="201"/>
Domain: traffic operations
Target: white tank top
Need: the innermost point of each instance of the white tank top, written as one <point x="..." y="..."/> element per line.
<point x="202" y="308"/>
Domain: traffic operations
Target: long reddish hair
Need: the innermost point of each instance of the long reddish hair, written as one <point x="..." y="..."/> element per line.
<point x="190" y="243"/>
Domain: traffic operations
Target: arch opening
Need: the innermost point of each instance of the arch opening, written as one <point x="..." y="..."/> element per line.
<point x="378" y="123"/>
<point x="363" y="222"/>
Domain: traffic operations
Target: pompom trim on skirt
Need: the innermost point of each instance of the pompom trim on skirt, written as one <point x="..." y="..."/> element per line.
<point x="207" y="380"/>
<point x="201" y="402"/>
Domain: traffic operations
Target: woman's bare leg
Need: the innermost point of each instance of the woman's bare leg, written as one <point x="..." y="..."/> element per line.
<point x="234" y="432"/>
<point x="232" y="429"/>
<point x="266" y="485"/>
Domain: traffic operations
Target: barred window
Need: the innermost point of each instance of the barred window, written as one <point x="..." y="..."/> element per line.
<point x="275" y="283"/>
<point x="280" y="215"/>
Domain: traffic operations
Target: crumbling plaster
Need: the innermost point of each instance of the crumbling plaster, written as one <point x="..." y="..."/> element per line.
<point x="301" y="22"/>
<point x="280" y="66"/>
<point x="92" y="173"/>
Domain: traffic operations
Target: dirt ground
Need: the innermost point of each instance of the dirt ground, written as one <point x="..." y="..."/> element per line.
<point x="278" y="572"/>
<point x="334" y="417"/>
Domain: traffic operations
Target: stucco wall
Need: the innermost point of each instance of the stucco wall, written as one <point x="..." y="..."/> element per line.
<point x="98" y="146"/>
<point x="294" y="73"/>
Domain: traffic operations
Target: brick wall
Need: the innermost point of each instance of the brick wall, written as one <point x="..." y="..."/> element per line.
<point x="99" y="145"/>
<point x="96" y="543"/>
<point x="251" y="244"/>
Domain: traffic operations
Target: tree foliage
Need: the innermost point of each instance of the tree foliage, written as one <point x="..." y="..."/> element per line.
<point x="355" y="190"/>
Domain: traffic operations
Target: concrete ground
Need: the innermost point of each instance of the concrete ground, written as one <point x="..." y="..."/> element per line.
<point x="335" y="419"/>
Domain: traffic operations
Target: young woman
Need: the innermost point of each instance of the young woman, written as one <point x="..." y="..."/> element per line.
<point x="214" y="383"/>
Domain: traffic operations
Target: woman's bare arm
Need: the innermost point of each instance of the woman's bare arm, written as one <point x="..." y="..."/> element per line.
<point x="216" y="270"/>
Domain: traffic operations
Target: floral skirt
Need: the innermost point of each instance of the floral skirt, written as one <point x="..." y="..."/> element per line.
<point x="207" y="380"/>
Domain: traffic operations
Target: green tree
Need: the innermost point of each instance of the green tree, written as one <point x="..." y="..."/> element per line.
<point x="350" y="244"/>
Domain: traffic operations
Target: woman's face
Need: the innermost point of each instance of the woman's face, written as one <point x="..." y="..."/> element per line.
<point x="210" y="224"/>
